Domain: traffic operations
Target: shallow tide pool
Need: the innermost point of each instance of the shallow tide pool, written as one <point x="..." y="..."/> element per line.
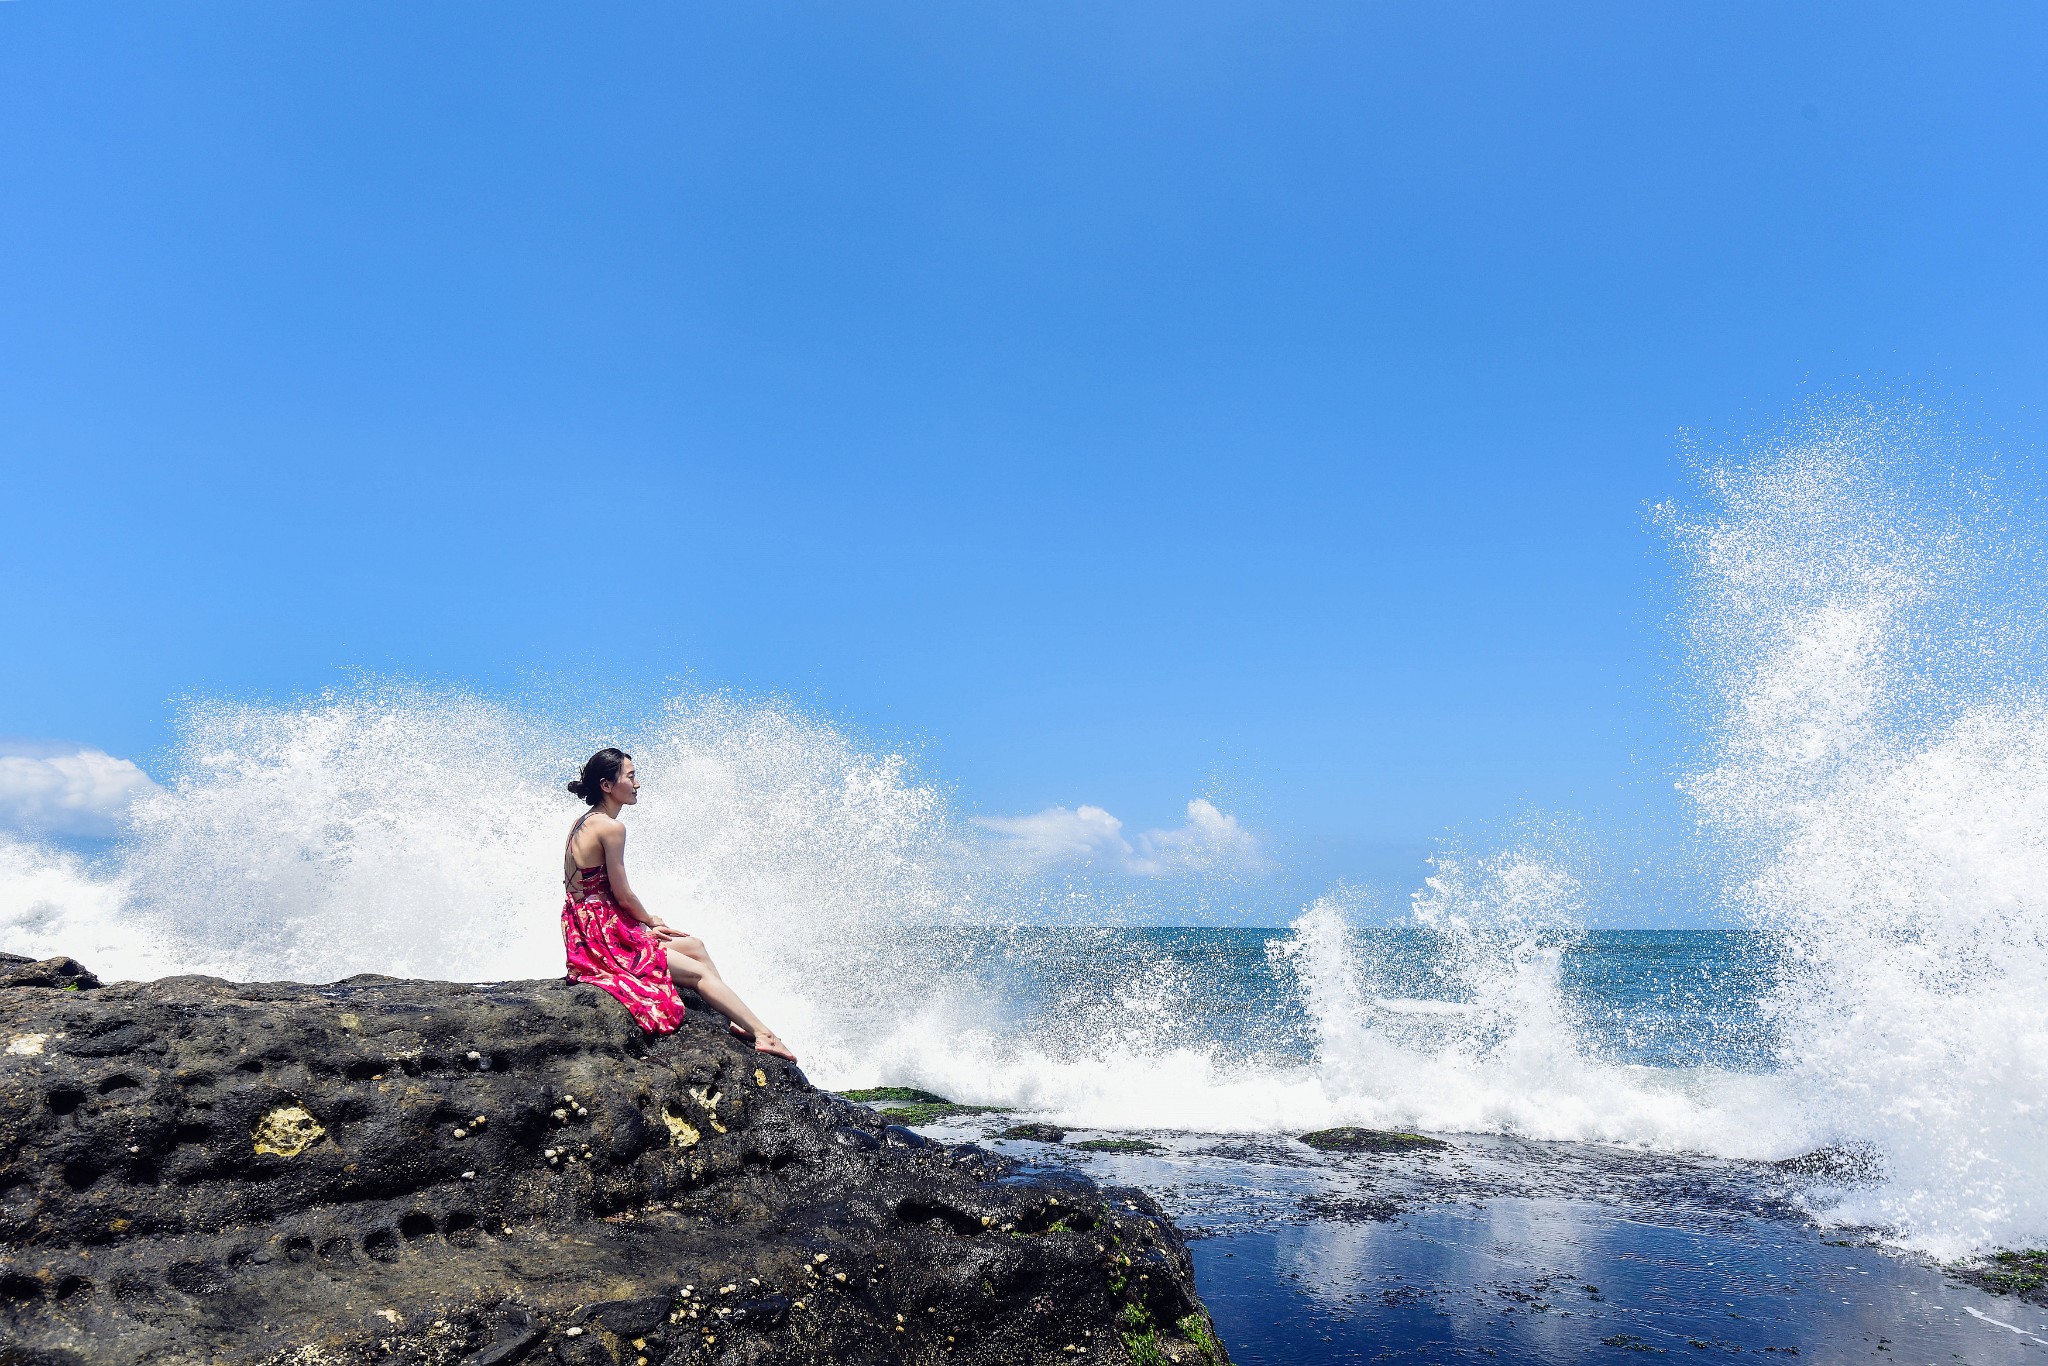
<point x="1497" y="1249"/>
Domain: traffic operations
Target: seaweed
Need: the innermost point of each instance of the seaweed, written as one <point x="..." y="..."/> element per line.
<point x="915" y="1107"/>
<point x="1351" y="1140"/>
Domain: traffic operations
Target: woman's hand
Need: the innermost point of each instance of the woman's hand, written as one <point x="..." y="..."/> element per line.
<point x="661" y="929"/>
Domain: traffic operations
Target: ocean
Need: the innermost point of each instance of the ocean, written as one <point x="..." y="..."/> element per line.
<point x="1498" y="1246"/>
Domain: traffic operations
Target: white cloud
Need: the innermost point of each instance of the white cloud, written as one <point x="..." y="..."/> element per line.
<point x="48" y="789"/>
<point x="1057" y="835"/>
<point x="1210" y="842"/>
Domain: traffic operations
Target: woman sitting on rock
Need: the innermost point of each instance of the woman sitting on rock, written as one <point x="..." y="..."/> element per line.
<point x="612" y="940"/>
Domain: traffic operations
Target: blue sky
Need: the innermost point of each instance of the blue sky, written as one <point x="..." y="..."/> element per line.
<point x="1118" y="403"/>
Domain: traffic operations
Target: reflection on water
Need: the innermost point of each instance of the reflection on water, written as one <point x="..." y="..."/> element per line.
<point x="1506" y="1250"/>
<point x="1568" y="1281"/>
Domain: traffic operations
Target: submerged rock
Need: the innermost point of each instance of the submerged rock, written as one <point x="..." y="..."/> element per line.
<point x="896" y="1095"/>
<point x="1349" y="1140"/>
<point x="908" y="1105"/>
<point x="1118" y="1145"/>
<point x="1035" y="1133"/>
<point x="397" y="1171"/>
<point x="1351" y="1209"/>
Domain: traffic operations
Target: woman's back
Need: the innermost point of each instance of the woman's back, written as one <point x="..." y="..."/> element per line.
<point x="585" y="853"/>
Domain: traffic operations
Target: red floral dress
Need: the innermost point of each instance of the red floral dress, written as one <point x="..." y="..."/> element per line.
<point x="609" y="950"/>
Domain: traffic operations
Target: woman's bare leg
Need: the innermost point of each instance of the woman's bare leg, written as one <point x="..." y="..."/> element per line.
<point x="691" y="966"/>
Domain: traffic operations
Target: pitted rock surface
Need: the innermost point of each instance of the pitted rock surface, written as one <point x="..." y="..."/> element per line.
<point x="384" y="1170"/>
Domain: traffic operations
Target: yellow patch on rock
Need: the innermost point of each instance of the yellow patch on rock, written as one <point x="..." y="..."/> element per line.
<point x="27" y="1045"/>
<point x="681" y="1133"/>
<point x="351" y="1020"/>
<point x="709" y="1099"/>
<point x="287" y="1131"/>
<point x="760" y="1077"/>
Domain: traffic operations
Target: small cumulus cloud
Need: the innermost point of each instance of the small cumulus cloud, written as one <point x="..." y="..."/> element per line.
<point x="1211" y="841"/>
<point x="66" y="789"/>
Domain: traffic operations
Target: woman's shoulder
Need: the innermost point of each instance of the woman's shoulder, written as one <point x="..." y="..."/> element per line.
<point x="603" y="830"/>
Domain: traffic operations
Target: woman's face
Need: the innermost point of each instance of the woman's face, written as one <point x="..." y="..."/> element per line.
<point x="624" y="789"/>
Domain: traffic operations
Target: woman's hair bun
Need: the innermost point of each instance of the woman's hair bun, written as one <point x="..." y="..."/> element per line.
<point x="601" y="768"/>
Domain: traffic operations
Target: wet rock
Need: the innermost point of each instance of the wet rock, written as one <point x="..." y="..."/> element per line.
<point x="895" y="1095"/>
<point x="194" y="1169"/>
<point x="1118" y="1145"/>
<point x="1351" y="1209"/>
<point x="1035" y="1133"/>
<point x="908" y="1105"/>
<point x="1350" y="1140"/>
<point x="57" y="974"/>
<point x="1853" y="1164"/>
<point x="2023" y="1273"/>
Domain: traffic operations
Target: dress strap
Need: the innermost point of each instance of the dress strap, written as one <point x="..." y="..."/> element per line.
<point x="569" y="851"/>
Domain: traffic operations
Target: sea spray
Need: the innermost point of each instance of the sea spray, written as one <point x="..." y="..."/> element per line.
<point x="54" y="901"/>
<point x="1875" y="776"/>
<point x="415" y="831"/>
<point x="1470" y="1029"/>
<point x="418" y="831"/>
<point x="1865" y="626"/>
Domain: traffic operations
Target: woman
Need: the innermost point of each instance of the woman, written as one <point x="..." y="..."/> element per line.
<point x="612" y="940"/>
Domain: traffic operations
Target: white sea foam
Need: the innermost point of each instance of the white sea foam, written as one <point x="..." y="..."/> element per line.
<point x="418" y="832"/>
<point x="1867" y="627"/>
<point x="1501" y="1049"/>
<point x="1875" y="771"/>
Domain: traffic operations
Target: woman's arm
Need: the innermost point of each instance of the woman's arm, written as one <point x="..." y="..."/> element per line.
<point x="613" y="839"/>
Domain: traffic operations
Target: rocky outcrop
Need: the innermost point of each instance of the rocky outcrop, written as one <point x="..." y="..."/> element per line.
<point x="399" y="1171"/>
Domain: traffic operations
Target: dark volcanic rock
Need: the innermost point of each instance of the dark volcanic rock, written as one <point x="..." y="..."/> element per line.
<point x="65" y="974"/>
<point x="1350" y="1140"/>
<point x="1036" y="1133"/>
<point x="198" y="1170"/>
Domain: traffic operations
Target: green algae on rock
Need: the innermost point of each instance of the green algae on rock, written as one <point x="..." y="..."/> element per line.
<point x="1346" y="1139"/>
<point x="2023" y="1273"/>
<point x="908" y="1094"/>
<point x="913" y="1107"/>
<point x="1191" y="1342"/>
<point x="914" y="1115"/>
<point x="1117" y="1145"/>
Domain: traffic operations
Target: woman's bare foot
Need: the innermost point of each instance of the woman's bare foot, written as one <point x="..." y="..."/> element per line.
<point x="767" y="1041"/>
